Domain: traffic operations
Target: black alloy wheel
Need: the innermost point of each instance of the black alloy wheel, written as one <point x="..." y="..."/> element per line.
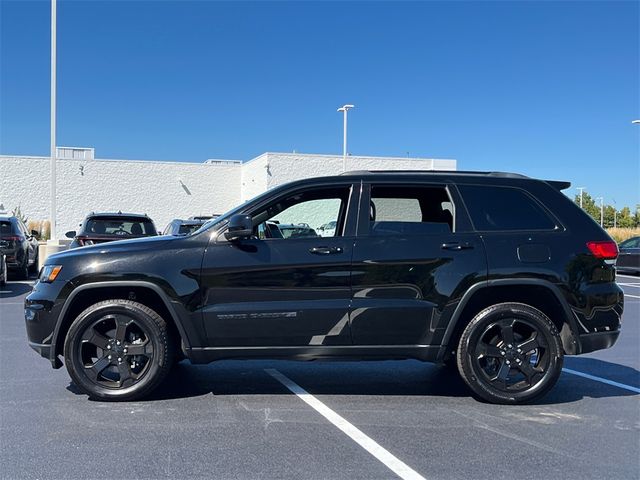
<point x="510" y="353"/>
<point x="118" y="350"/>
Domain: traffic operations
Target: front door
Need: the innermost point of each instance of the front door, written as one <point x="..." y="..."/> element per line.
<point x="290" y="284"/>
<point x="414" y="257"/>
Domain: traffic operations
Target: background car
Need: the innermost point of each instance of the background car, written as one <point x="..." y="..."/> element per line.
<point x="328" y="229"/>
<point x="107" y="227"/>
<point x="3" y="270"/>
<point x="296" y="231"/>
<point x="205" y="217"/>
<point x="19" y="246"/>
<point x="182" y="227"/>
<point x="629" y="256"/>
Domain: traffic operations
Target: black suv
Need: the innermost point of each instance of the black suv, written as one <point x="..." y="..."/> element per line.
<point x="19" y="246"/>
<point x="498" y="273"/>
<point x="107" y="227"/>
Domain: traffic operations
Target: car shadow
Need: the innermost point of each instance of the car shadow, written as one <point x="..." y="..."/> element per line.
<point x="380" y="378"/>
<point x="14" y="289"/>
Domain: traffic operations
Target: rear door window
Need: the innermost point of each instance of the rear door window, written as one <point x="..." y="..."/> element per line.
<point x="410" y="210"/>
<point x="504" y="209"/>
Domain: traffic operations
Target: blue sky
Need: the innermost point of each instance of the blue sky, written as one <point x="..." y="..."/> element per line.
<point x="548" y="89"/>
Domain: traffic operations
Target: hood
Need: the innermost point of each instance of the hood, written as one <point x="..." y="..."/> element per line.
<point x="119" y="246"/>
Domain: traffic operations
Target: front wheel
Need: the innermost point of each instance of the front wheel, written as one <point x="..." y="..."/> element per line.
<point x="118" y="350"/>
<point x="510" y="353"/>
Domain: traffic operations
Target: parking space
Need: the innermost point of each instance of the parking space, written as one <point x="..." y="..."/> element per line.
<point x="277" y="419"/>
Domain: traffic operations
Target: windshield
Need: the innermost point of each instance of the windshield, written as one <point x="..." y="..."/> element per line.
<point x="119" y="226"/>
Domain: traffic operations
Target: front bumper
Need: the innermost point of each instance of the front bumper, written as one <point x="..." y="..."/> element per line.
<point x="42" y="307"/>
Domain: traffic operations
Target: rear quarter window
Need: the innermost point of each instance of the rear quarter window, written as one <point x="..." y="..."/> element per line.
<point x="504" y="209"/>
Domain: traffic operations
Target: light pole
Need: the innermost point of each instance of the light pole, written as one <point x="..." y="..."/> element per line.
<point x="344" y="109"/>
<point x="601" y="210"/>
<point x="615" y="213"/>
<point x="581" y="189"/>
<point x="637" y="122"/>
<point x="53" y="119"/>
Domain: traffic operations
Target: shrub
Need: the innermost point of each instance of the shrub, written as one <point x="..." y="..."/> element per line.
<point x="621" y="234"/>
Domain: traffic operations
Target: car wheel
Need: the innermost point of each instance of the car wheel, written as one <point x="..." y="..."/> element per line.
<point x="3" y="277"/>
<point x="510" y="353"/>
<point x="22" y="273"/>
<point x="34" y="267"/>
<point x="118" y="350"/>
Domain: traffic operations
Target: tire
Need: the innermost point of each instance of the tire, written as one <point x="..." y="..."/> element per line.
<point x="510" y="353"/>
<point x="22" y="273"/>
<point x="107" y="370"/>
<point x="3" y="277"/>
<point x="34" y="268"/>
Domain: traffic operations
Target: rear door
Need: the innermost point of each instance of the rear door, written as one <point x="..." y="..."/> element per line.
<point x="415" y="256"/>
<point x="284" y="289"/>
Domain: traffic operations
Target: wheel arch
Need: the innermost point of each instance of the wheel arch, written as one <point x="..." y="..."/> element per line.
<point x="146" y="293"/>
<point x="538" y="293"/>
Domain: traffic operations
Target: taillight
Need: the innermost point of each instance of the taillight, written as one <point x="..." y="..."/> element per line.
<point x="607" y="250"/>
<point x="14" y="238"/>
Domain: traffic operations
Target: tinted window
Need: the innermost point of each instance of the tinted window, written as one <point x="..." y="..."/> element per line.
<point x="504" y="208"/>
<point x="410" y="210"/>
<point x="631" y="243"/>
<point x="5" y="228"/>
<point x="123" y="226"/>
<point x="188" y="228"/>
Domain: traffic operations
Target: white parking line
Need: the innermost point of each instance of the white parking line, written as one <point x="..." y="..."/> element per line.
<point x="602" y="380"/>
<point x="627" y="276"/>
<point x="632" y="296"/>
<point x="637" y="285"/>
<point x="396" y="465"/>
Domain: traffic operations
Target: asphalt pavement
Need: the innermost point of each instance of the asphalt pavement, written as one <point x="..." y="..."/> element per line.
<point x="328" y="420"/>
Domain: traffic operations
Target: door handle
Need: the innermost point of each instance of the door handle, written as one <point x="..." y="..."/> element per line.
<point x="325" y="250"/>
<point x="456" y="246"/>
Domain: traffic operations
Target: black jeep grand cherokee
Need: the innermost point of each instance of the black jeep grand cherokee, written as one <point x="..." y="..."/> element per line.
<point x="498" y="273"/>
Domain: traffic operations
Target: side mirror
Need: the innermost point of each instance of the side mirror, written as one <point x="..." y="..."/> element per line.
<point x="70" y="234"/>
<point x="240" y="226"/>
<point x="34" y="233"/>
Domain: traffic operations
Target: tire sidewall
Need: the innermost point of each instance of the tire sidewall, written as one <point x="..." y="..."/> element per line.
<point x="75" y="366"/>
<point x="474" y="378"/>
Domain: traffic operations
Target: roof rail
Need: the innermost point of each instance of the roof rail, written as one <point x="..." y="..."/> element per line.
<point x="438" y="172"/>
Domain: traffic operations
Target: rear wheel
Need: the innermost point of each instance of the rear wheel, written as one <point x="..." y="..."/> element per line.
<point x="3" y="275"/>
<point x="34" y="267"/>
<point x="510" y="353"/>
<point x="23" y="270"/>
<point x="118" y="350"/>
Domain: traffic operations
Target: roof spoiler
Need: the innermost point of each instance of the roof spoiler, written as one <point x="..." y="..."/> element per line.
<point x="559" y="185"/>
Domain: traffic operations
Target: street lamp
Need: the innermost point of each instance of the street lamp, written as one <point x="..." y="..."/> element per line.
<point x="344" y="109"/>
<point x="53" y="119"/>
<point x="635" y="121"/>
<point x="601" y="210"/>
<point x="581" y="189"/>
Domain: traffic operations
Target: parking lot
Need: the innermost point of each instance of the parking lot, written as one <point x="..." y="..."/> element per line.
<point x="277" y="419"/>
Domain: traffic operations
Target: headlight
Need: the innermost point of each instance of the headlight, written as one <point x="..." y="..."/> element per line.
<point x="49" y="273"/>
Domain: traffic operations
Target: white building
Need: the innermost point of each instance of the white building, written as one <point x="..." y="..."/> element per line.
<point x="165" y="190"/>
